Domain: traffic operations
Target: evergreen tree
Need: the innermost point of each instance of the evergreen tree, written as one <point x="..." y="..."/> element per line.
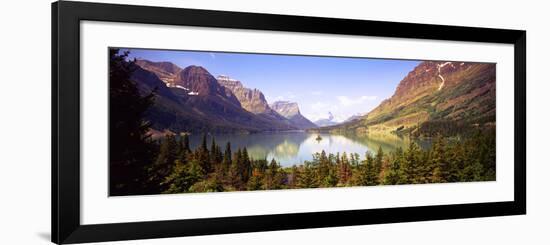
<point x="185" y="143"/>
<point x="180" y="179"/>
<point x="412" y="164"/>
<point x="184" y="148"/>
<point x="227" y="156"/>
<point x="294" y="178"/>
<point x="439" y="162"/>
<point x="357" y="159"/>
<point x="235" y="177"/>
<point x="331" y="179"/>
<point x="203" y="156"/>
<point x="245" y="167"/>
<point x="394" y="175"/>
<point x="216" y="156"/>
<point x="307" y="176"/>
<point x="324" y="165"/>
<point x="344" y="171"/>
<point x="378" y="164"/>
<point x="130" y="145"/>
<point x="273" y="178"/>
<point x="370" y="170"/>
<point x="255" y="181"/>
<point x="165" y="160"/>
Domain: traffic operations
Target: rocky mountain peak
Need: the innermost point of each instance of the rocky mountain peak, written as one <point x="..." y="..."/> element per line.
<point x="291" y="111"/>
<point x="286" y="108"/>
<point x="229" y="82"/>
<point x="165" y="71"/>
<point x="252" y="100"/>
<point x="198" y="80"/>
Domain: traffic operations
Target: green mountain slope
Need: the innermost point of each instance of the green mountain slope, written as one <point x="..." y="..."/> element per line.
<point x="436" y="97"/>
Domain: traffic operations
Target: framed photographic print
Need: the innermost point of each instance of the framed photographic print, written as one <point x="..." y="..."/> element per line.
<point x="176" y="122"/>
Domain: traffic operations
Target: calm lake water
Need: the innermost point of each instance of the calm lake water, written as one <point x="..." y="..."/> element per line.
<point x="289" y="148"/>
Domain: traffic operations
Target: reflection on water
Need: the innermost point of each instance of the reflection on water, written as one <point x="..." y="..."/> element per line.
<point x="290" y="148"/>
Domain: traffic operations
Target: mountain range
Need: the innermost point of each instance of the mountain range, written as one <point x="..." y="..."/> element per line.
<point x="192" y="100"/>
<point x="439" y="95"/>
<point x="442" y="95"/>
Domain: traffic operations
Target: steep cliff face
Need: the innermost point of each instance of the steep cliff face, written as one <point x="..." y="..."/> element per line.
<point x="291" y="111"/>
<point x="449" y="92"/>
<point x="253" y="100"/>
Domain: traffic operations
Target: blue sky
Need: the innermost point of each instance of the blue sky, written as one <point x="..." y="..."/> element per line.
<point x="343" y="86"/>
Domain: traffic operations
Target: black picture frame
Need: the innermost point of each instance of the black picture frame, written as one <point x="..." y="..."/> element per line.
<point x="66" y="17"/>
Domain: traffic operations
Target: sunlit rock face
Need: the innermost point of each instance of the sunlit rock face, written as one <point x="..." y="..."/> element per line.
<point x="291" y="111"/>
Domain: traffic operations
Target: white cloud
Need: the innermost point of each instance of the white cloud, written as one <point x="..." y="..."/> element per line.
<point x="290" y="95"/>
<point x="320" y="110"/>
<point x="212" y="55"/>
<point x="317" y="92"/>
<point x="319" y="106"/>
<point x="316" y="116"/>
<point x="347" y="101"/>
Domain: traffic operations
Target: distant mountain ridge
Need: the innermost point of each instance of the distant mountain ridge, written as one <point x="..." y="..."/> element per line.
<point x="291" y="111"/>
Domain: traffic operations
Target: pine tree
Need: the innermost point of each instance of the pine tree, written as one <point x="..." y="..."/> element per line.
<point x="307" y="177"/>
<point x="255" y="181"/>
<point x="357" y="160"/>
<point x="227" y="156"/>
<point x="439" y="162"/>
<point x="344" y="171"/>
<point x="272" y="178"/>
<point x="411" y="166"/>
<point x="394" y="175"/>
<point x="324" y="166"/>
<point x="130" y="145"/>
<point x="245" y="168"/>
<point x="215" y="155"/>
<point x="294" y="178"/>
<point x="378" y="163"/>
<point x="184" y="148"/>
<point x="203" y="156"/>
<point x="180" y="179"/>
<point x="165" y="160"/>
<point x="185" y="143"/>
<point x="234" y="177"/>
<point x="370" y="170"/>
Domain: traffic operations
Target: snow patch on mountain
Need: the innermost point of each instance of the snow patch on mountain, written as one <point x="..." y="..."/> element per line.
<point x="439" y="66"/>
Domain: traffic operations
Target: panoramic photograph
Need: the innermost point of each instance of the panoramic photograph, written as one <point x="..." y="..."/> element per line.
<point x="205" y="121"/>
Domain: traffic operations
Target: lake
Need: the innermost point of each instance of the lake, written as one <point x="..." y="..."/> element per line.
<point x="289" y="148"/>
